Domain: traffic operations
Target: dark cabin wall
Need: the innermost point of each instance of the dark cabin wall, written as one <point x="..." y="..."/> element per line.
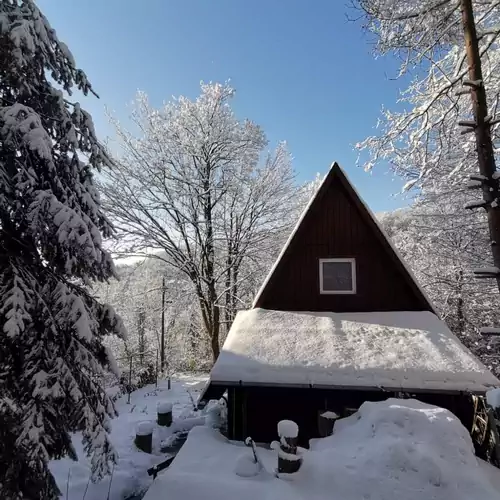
<point x="337" y="225"/>
<point x="256" y="411"/>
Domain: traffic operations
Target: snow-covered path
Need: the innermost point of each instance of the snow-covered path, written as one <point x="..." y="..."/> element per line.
<point x="130" y="475"/>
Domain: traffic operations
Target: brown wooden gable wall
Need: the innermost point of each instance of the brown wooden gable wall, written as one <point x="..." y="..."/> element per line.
<point x="338" y="225"/>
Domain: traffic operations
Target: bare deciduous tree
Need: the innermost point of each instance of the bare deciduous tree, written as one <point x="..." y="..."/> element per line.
<point x="191" y="186"/>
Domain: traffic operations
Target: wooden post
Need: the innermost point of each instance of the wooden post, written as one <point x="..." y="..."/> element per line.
<point x="482" y="129"/>
<point x="288" y="460"/>
<point x="326" y="421"/>
<point x="164" y="414"/>
<point x="144" y="437"/>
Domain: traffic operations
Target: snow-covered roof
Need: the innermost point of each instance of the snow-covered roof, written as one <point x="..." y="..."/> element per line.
<point x="408" y="350"/>
<point x="335" y="169"/>
<point x="394" y="449"/>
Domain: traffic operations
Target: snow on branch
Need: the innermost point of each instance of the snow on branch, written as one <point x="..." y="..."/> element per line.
<point x="467" y="123"/>
<point x="489" y="331"/>
<point x="472" y="83"/>
<point x="478" y="177"/>
<point x="475" y="204"/>
<point x="486" y="272"/>
<point x="474" y="184"/>
<point x="21" y="123"/>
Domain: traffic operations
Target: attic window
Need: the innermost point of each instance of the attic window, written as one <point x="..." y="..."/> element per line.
<point x="337" y="276"/>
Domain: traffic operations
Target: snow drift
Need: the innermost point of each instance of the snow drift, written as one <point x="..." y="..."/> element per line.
<point x="396" y="449"/>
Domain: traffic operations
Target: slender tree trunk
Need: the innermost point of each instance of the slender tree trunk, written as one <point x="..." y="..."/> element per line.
<point x="484" y="145"/>
<point x="235" y="292"/>
<point x="460" y="304"/>
<point x="229" y="286"/>
<point x="215" y="334"/>
<point x="162" y="342"/>
<point x="141" y="333"/>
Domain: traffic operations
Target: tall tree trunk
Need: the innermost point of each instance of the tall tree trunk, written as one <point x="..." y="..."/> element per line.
<point x="484" y="145"/>
<point x="215" y="334"/>
<point x="141" y="334"/>
<point x="162" y="342"/>
<point x="460" y="304"/>
<point x="229" y="287"/>
<point x="234" y="296"/>
<point x="213" y="308"/>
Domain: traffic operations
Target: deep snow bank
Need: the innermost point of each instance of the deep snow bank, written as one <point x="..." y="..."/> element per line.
<point x="396" y="449"/>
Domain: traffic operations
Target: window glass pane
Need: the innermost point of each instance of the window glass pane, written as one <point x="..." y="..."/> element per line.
<point x="337" y="276"/>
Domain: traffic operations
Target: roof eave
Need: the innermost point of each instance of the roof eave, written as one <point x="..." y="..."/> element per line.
<point x="240" y="383"/>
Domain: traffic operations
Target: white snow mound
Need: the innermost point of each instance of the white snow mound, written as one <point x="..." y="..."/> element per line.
<point x="164" y="407"/>
<point x="144" y="428"/>
<point x="391" y="450"/>
<point x="288" y="429"/>
<point x="493" y="398"/>
<point x="330" y="415"/>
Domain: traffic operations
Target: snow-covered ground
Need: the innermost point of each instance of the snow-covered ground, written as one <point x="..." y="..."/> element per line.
<point x="130" y="474"/>
<point x="396" y="449"/>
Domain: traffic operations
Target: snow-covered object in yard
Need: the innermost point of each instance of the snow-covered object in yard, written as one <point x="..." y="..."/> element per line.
<point x="288" y="429"/>
<point x="246" y="466"/>
<point x="164" y="406"/>
<point x="144" y="428"/>
<point x="288" y="456"/>
<point x="214" y="414"/>
<point x="493" y="398"/>
<point x="394" y="350"/>
<point x="330" y="415"/>
<point x="390" y="450"/>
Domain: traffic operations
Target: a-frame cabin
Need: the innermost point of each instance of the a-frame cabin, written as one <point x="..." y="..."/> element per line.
<point x="339" y="320"/>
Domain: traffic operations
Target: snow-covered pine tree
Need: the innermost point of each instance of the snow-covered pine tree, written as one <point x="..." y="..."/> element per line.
<point x="51" y="228"/>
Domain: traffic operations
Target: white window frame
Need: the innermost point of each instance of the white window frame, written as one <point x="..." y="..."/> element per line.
<point x="338" y="292"/>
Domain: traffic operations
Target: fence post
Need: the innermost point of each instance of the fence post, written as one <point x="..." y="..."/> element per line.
<point x="164" y="410"/>
<point x="288" y="460"/>
<point x="144" y="437"/>
<point x="326" y="422"/>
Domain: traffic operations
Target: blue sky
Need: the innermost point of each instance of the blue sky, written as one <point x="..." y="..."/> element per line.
<point x="301" y="70"/>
